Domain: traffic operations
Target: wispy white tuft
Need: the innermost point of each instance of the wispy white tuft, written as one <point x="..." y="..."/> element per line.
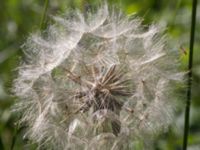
<point x="98" y="81"/>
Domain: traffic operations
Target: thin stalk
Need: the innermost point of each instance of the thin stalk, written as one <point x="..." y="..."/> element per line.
<point x="18" y="129"/>
<point x="190" y="65"/>
<point x="42" y="22"/>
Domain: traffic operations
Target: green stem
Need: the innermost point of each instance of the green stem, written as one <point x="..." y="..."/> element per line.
<point x="42" y="22"/>
<point x="16" y="132"/>
<point x="190" y="65"/>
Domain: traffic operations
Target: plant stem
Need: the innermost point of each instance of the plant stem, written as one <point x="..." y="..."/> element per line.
<point x="190" y="65"/>
<point x="42" y="22"/>
<point x="18" y="129"/>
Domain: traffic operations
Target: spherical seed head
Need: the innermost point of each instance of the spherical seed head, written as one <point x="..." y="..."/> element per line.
<point x="99" y="81"/>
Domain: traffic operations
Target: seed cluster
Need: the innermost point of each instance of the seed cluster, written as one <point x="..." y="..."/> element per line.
<point x="96" y="81"/>
<point x="103" y="90"/>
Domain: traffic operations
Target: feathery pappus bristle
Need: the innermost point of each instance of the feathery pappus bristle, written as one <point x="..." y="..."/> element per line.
<point x="96" y="81"/>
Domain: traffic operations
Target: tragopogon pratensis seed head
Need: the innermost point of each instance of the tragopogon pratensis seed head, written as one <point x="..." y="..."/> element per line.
<point x="98" y="81"/>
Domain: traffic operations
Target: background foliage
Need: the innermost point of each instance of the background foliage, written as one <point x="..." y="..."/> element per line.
<point x="18" y="18"/>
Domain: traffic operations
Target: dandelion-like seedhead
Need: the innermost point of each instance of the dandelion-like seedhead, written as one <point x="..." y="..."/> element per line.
<point x="98" y="81"/>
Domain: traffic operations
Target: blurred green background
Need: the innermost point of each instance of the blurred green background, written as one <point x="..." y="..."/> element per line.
<point x="18" y="18"/>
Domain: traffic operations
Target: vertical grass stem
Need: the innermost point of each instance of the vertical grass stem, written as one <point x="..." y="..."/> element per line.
<point x="42" y="22"/>
<point x="190" y="65"/>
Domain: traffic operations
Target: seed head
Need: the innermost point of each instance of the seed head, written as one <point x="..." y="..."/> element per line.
<point x="96" y="81"/>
